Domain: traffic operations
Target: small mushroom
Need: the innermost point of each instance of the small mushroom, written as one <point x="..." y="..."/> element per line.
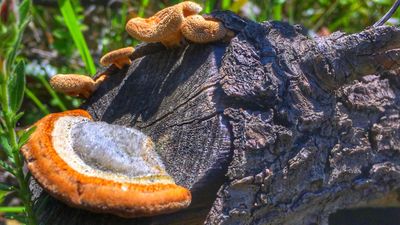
<point x="164" y="26"/>
<point x="101" y="167"/>
<point x="119" y="57"/>
<point x="200" y="30"/>
<point x="76" y="85"/>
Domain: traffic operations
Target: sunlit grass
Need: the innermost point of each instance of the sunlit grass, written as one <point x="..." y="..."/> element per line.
<point x="72" y="23"/>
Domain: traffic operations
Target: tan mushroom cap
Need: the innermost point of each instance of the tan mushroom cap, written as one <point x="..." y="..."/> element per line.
<point x="164" y="26"/>
<point x="96" y="193"/>
<point x="199" y="30"/>
<point x="119" y="57"/>
<point x="75" y="85"/>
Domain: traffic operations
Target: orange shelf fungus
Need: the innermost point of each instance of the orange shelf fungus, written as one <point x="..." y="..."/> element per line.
<point x="101" y="167"/>
<point x="164" y="26"/>
<point x="119" y="57"/>
<point x="200" y="30"/>
<point x="75" y="85"/>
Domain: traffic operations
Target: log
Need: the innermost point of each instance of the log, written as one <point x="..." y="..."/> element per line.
<point x="273" y="127"/>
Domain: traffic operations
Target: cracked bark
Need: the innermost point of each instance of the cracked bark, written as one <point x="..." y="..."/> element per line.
<point x="271" y="128"/>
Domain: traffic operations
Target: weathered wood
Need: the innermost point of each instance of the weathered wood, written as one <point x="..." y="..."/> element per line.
<point x="271" y="128"/>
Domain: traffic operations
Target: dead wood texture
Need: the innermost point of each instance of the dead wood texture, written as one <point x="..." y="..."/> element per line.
<point x="272" y="128"/>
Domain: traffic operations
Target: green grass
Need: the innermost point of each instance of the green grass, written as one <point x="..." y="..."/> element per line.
<point x="32" y="96"/>
<point x="73" y="25"/>
<point x="209" y="6"/>
<point x="144" y="4"/>
<point x="10" y="209"/>
<point x="225" y="4"/>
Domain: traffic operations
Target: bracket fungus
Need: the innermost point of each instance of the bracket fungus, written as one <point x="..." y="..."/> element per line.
<point x="200" y="30"/>
<point x="76" y="85"/>
<point x="119" y="57"/>
<point x="101" y="167"/>
<point x="164" y="26"/>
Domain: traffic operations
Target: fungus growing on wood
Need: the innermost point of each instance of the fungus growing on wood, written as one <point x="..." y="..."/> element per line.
<point x="119" y="57"/>
<point x="164" y="26"/>
<point x="76" y="85"/>
<point x="101" y="167"/>
<point x="200" y="30"/>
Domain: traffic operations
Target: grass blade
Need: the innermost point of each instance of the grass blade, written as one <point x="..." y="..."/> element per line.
<point x="12" y="209"/>
<point x="209" y="6"/>
<point x="24" y="11"/>
<point x="225" y="4"/>
<point x="72" y="23"/>
<point x="25" y="136"/>
<point x="37" y="102"/>
<point x="143" y="6"/>
<point x="53" y="94"/>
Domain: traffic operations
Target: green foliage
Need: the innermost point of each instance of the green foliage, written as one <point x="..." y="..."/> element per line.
<point x="17" y="86"/>
<point x="72" y="23"/>
<point x="12" y="209"/>
<point x="12" y="93"/>
<point x="144" y="4"/>
<point x="209" y="6"/>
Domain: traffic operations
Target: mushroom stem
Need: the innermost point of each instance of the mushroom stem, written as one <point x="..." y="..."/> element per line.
<point x="119" y="57"/>
<point x="173" y="40"/>
<point x="86" y="94"/>
<point x="229" y="35"/>
<point x="120" y="63"/>
<point x="98" y="81"/>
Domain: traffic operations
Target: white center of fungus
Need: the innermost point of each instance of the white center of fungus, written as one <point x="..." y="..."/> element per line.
<point x="111" y="152"/>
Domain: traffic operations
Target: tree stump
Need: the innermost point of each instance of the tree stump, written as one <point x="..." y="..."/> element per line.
<point x="271" y="128"/>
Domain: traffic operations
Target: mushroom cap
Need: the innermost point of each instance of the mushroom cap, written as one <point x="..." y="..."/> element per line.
<point x="73" y="84"/>
<point x="200" y="30"/>
<point x="190" y="8"/>
<point x="164" y="25"/>
<point x="72" y="158"/>
<point x="116" y="55"/>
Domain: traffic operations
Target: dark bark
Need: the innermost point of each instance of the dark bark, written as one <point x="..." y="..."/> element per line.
<point x="271" y="128"/>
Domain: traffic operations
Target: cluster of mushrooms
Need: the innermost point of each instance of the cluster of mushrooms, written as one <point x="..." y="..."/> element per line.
<point x="172" y="26"/>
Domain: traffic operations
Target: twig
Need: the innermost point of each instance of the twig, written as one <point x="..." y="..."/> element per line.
<point x="388" y="15"/>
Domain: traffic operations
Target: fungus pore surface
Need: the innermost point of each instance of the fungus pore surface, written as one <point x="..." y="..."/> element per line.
<point x="101" y="167"/>
<point x="109" y="151"/>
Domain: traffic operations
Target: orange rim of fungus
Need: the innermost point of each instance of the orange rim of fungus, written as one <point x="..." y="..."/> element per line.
<point x="94" y="193"/>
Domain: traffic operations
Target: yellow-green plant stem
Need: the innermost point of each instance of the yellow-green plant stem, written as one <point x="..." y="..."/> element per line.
<point x="23" y="189"/>
<point x="12" y="209"/>
<point x="72" y="23"/>
<point x="37" y="102"/>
